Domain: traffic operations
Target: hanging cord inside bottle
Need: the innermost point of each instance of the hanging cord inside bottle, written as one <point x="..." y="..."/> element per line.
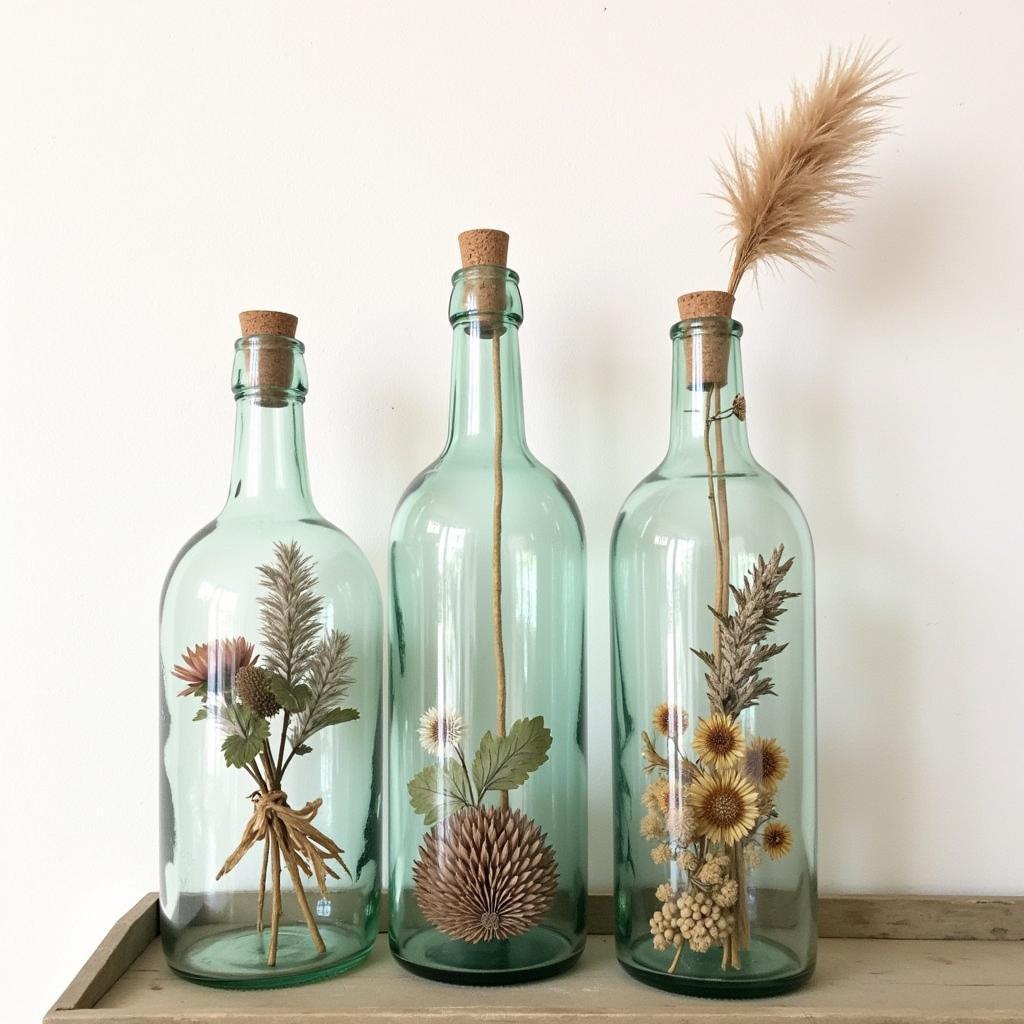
<point x="499" y="492"/>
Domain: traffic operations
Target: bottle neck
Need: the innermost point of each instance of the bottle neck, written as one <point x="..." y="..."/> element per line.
<point x="485" y="313"/>
<point x="269" y="474"/>
<point x="707" y="379"/>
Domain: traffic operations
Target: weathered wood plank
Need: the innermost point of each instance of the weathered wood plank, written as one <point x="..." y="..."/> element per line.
<point x="858" y="981"/>
<point x="920" y="917"/>
<point x="948" y="976"/>
<point x="130" y="936"/>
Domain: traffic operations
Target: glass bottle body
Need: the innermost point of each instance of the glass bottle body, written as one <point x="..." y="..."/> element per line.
<point x="664" y="575"/>
<point x="212" y="596"/>
<point x="443" y="657"/>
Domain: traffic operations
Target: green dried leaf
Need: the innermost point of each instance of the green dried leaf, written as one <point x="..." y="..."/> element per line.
<point x="291" y="698"/>
<point x="200" y="715"/>
<point x="338" y="716"/>
<point x="505" y="762"/>
<point x="438" y="791"/>
<point x="248" y="731"/>
<point x="303" y="749"/>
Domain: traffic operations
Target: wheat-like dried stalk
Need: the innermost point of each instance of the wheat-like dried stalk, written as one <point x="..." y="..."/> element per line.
<point x="803" y="168"/>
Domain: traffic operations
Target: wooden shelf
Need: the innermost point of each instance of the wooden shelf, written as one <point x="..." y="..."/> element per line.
<point x="952" y="961"/>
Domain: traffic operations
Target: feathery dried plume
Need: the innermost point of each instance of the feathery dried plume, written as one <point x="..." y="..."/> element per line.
<point x="290" y="612"/>
<point x="734" y="680"/>
<point x="797" y="178"/>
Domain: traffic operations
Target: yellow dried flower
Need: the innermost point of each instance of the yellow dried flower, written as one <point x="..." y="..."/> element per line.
<point x="765" y="763"/>
<point x="777" y="839"/>
<point x="670" y="719"/>
<point x="718" y="741"/>
<point x="725" y="806"/>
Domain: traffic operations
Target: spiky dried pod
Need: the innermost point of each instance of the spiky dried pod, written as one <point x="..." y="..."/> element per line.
<point x="485" y="873"/>
<point x="251" y="687"/>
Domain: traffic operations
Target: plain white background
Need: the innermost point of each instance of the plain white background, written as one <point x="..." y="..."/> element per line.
<point x="165" y="165"/>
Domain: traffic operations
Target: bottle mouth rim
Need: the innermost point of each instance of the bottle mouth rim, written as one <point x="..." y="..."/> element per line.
<point x="485" y="271"/>
<point x="270" y="341"/>
<point x="697" y="325"/>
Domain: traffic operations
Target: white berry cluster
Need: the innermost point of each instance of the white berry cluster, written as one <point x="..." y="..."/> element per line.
<point x="699" y="916"/>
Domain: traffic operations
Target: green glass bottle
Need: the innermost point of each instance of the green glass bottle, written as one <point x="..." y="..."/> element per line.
<point x="714" y="699"/>
<point x="487" y="808"/>
<point x="270" y="710"/>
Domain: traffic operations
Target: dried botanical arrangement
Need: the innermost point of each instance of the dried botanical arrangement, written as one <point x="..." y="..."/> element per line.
<point x="712" y="815"/>
<point x="484" y="873"/>
<point x="304" y="674"/>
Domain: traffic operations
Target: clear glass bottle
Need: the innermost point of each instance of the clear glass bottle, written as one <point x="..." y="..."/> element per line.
<point x="270" y="710"/>
<point x="715" y="817"/>
<point x="487" y="808"/>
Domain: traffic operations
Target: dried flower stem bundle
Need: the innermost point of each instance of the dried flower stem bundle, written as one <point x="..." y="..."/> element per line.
<point x="305" y="672"/>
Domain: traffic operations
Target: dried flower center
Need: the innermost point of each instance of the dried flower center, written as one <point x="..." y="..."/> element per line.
<point x="490" y="920"/>
<point x="721" y="741"/>
<point x="724" y="808"/>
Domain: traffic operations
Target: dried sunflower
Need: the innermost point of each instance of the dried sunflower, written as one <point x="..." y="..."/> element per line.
<point x="777" y="839"/>
<point x="718" y="741"/>
<point x="765" y="763"/>
<point x="725" y="806"/>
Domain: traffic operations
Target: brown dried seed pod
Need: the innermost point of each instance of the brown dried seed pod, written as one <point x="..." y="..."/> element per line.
<point x="485" y="873"/>
<point x="251" y="687"/>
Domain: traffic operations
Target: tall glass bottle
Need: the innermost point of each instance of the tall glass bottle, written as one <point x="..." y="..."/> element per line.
<point x="487" y="809"/>
<point x="270" y="693"/>
<point x="714" y="705"/>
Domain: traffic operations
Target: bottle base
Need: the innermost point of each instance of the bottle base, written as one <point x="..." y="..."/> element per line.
<point x="540" y="953"/>
<point x="769" y="969"/>
<point x="238" y="959"/>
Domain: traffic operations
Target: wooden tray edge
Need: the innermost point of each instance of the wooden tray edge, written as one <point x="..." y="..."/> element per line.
<point x="851" y="917"/>
<point x="120" y="948"/>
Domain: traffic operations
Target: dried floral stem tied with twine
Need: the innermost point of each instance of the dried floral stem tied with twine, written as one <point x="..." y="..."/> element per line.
<point x="784" y="194"/>
<point x="305" y="675"/>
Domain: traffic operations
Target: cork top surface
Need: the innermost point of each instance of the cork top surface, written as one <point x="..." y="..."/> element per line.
<point x="268" y="321"/>
<point x="697" y="304"/>
<point x="483" y="247"/>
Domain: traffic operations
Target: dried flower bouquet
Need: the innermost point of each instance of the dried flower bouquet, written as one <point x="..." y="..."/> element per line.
<point x="303" y="674"/>
<point x="714" y="814"/>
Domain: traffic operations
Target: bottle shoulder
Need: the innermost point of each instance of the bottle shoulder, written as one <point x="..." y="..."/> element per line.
<point x="226" y="554"/>
<point x="461" y="493"/>
<point x="676" y="505"/>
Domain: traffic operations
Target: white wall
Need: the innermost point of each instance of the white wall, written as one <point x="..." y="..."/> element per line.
<point x="165" y="165"/>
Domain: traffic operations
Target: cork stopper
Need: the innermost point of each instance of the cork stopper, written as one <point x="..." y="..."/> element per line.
<point x="698" y="304"/>
<point x="270" y="363"/>
<point x="706" y="348"/>
<point x="268" y="321"/>
<point x="484" y="247"/>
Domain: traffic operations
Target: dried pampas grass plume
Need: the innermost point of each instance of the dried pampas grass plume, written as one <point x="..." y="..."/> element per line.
<point x="802" y="169"/>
